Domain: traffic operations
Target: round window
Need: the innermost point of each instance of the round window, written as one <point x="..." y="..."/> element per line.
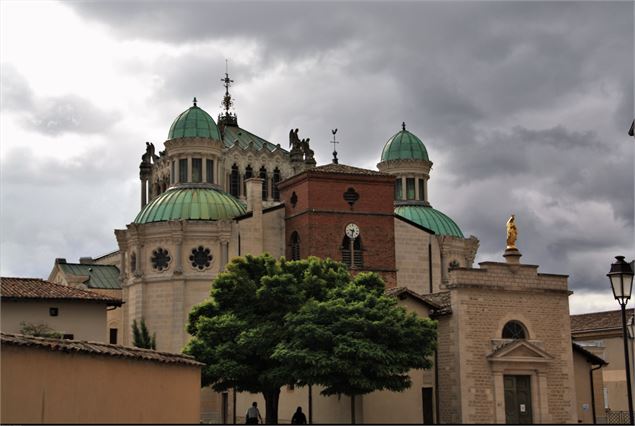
<point x="201" y="258"/>
<point x="160" y="259"/>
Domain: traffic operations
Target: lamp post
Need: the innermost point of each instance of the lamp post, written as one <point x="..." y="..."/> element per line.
<point x="621" y="276"/>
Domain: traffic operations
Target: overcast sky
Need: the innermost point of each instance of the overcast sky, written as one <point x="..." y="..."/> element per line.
<point x="523" y="107"/>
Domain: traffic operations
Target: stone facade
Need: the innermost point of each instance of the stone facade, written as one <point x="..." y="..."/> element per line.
<point x="483" y="301"/>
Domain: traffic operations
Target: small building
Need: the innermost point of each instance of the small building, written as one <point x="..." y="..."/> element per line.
<point x="71" y="312"/>
<point x="99" y="275"/>
<point x="588" y="385"/>
<point x="601" y="333"/>
<point x="61" y="381"/>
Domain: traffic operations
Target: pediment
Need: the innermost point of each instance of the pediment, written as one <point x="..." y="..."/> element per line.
<point x="520" y="351"/>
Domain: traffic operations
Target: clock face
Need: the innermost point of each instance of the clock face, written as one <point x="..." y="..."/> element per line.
<point x="352" y="231"/>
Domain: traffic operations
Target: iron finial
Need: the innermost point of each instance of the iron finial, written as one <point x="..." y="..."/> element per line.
<point x="335" y="161"/>
<point x="403" y="125"/>
<point x="194" y="101"/>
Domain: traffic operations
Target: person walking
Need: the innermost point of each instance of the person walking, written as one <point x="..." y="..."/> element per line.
<point x="298" y="417"/>
<point x="253" y="415"/>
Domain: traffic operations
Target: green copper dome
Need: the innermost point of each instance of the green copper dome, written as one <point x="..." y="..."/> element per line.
<point x="431" y="219"/>
<point x="192" y="123"/>
<point x="191" y="202"/>
<point x="404" y="146"/>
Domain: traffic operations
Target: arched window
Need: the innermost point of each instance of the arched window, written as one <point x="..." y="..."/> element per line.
<point x="352" y="252"/>
<point x="249" y="173"/>
<point x="234" y="181"/>
<point x="265" y="186"/>
<point x="295" y="246"/>
<point x="274" y="185"/>
<point x="514" y="330"/>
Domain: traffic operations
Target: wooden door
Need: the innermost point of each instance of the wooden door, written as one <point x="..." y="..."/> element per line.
<point x="518" y="400"/>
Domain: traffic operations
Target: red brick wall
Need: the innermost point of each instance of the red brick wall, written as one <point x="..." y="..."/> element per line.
<point x="321" y="214"/>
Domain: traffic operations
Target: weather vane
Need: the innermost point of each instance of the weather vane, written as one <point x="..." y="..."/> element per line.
<point x="334" y="150"/>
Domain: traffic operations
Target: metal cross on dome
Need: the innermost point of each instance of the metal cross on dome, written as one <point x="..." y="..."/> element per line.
<point x="227" y="99"/>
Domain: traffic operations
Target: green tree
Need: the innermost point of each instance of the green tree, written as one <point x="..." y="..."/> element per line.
<point x="39" y="330"/>
<point x="236" y="331"/>
<point x="271" y="323"/>
<point x="141" y="335"/>
<point x="355" y="341"/>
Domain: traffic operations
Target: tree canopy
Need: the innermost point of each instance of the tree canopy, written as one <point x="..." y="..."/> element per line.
<point x="271" y="323"/>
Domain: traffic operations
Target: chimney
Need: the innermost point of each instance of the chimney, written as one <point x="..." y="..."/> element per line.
<point x="86" y="260"/>
<point x="60" y="260"/>
<point x="253" y="226"/>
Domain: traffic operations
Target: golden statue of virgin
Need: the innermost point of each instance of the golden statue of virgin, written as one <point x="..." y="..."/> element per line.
<point x="512" y="232"/>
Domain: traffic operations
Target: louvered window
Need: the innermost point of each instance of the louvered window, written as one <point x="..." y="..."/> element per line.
<point x="352" y="253"/>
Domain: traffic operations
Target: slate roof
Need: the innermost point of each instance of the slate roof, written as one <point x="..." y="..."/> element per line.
<point x="599" y="320"/>
<point x="345" y="169"/>
<point x="35" y="288"/>
<point x="99" y="276"/>
<point x="243" y="138"/>
<point x="97" y="348"/>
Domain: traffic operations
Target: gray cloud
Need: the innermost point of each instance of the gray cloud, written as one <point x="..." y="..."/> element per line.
<point x="51" y="115"/>
<point x="523" y="107"/>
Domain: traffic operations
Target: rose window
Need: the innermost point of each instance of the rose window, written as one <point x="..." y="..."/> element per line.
<point x="201" y="258"/>
<point x="160" y="259"/>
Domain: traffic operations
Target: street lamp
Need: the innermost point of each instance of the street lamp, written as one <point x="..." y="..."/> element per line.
<point x="621" y="276"/>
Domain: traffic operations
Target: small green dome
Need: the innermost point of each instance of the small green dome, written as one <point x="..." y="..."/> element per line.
<point x="404" y="146"/>
<point x="191" y="202"/>
<point x="431" y="219"/>
<point x="194" y="122"/>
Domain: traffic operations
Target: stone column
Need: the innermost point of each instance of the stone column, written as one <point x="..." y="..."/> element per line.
<point x="144" y="193"/>
<point x="224" y="254"/>
<point x="404" y="189"/>
<point x="177" y="170"/>
<point x="189" y="169"/>
<point x="499" y="398"/>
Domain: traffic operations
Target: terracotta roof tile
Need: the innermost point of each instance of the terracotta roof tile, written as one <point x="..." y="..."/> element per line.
<point x="599" y="320"/>
<point x="349" y="170"/>
<point x="35" y="288"/>
<point x="97" y="348"/>
<point x="440" y="301"/>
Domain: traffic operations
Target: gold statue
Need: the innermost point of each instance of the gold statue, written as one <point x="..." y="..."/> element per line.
<point x="512" y="232"/>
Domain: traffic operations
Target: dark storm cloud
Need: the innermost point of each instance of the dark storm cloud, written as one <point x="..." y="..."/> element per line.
<point x="51" y="115"/>
<point x="464" y="76"/>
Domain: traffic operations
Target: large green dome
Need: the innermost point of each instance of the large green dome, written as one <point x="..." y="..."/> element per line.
<point x="191" y="202"/>
<point x="194" y="122"/>
<point x="404" y="146"/>
<point x="431" y="219"/>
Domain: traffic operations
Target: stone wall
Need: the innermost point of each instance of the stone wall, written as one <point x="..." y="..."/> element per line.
<point x="483" y="301"/>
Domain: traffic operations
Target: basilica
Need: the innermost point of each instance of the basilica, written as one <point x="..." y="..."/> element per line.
<point x="214" y="191"/>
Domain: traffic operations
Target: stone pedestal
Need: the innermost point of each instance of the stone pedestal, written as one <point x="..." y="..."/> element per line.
<point x="512" y="255"/>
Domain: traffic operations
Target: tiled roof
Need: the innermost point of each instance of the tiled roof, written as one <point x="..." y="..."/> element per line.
<point x="590" y="357"/>
<point x="241" y="137"/>
<point x="349" y="170"/>
<point x="440" y="302"/>
<point x="97" y="348"/>
<point x="441" y="298"/>
<point x="99" y="276"/>
<point x="35" y="288"/>
<point x="599" y="320"/>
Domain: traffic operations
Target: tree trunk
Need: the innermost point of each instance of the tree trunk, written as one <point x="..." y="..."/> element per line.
<point x="352" y="409"/>
<point x="271" y="406"/>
